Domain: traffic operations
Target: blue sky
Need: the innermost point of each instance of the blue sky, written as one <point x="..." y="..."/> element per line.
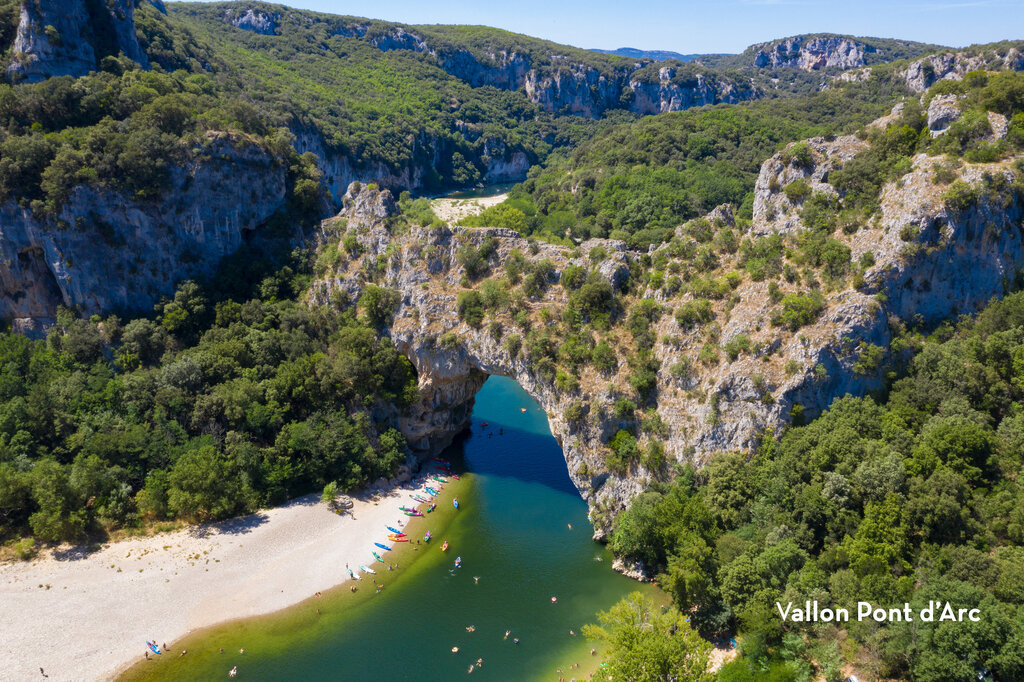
<point x="723" y="26"/>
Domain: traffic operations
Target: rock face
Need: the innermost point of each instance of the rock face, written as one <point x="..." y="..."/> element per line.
<point x="253" y="20"/>
<point x="69" y="37"/>
<point x="773" y="210"/>
<point x="920" y="248"/>
<point x="811" y="53"/>
<point x="585" y="91"/>
<point x="942" y="110"/>
<point x="104" y="252"/>
<point x="922" y="73"/>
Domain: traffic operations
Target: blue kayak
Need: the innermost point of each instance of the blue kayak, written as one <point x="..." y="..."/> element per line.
<point x="153" y="647"/>
<point x="458" y="562"/>
<point x="384" y="547"/>
<point x="394" y="530"/>
<point x="455" y="503"/>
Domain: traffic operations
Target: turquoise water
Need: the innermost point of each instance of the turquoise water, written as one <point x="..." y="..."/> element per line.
<point x="512" y="532"/>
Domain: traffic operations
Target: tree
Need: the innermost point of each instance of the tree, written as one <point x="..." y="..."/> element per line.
<point x="204" y="485"/>
<point x="59" y="515"/>
<point x="378" y="304"/>
<point x="645" y="645"/>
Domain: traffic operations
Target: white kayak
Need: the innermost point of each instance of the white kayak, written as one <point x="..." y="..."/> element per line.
<point x="364" y="569"/>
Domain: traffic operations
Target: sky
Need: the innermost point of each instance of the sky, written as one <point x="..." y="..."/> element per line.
<point x="704" y="27"/>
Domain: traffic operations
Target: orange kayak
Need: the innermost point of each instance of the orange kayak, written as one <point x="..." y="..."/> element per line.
<point x="444" y="547"/>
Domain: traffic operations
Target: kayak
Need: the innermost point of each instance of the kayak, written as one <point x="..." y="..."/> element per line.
<point x="426" y="538"/>
<point x="394" y="530"/>
<point x="367" y="570"/>
<point x="353" y="574"/>
<point x="458" y="562"/>
<point x="483" y="423"/>
<point x="384" y="547"/>
<point x="406" y="509"/>
<point x="442" y="461"/>
<point x="398" y="539"/>
<point x="444" y="547"/>
<point x="153" y="647"/>
<point x="432" y="492"/>
<point x="377" y="557"/>
<point x="439" y="479"/>
<point x="455" y="503"/>
<point x="412" y="513"/>
<point x="420" y="498"/>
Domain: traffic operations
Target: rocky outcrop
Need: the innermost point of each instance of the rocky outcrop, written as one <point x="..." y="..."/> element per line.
<point x="668" y="94"/>
<point x="922" y="73"/>
<point x="70" y="37"/>
<point x="585" y="91"/>
<point x="942" y="110"/>
<point x="264" y="23"/>
<point x="104" y="252"/>
<point x="923" y="247"/>
<point x="774" y="211"/>
<point x="811" y="53"/>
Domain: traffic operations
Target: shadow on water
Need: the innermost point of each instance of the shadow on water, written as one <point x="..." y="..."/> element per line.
<point x="509" y="437"/>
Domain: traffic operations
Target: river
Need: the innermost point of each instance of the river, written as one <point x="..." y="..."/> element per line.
<point x="518" y="551"/>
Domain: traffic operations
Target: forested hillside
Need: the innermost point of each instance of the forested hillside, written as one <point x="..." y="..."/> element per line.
<point x="637" y="181"/>
<point x="233" y="397"/>
<point x="909" y="497"/>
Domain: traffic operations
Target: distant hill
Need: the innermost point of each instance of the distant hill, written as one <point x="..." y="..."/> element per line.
<point x="656" y="55"/>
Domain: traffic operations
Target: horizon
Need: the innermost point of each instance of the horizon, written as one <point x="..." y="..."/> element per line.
<point x="727" y="27"/>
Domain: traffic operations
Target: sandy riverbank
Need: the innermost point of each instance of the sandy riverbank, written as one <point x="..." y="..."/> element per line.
<point x="452" y="211"/>
<point x="85" y="617"/>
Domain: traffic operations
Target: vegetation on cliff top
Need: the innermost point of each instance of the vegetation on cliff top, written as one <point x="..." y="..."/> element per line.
<point x="638" y="181"/>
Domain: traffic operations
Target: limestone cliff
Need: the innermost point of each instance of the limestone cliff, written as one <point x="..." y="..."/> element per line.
<point x="811" y="53"/>
<point x="104" y="252"/>
<point x="920" y="247"/>
<point x="559" y="79"/>
<point x="921" y="74"/>
<point x="70" y="37"/>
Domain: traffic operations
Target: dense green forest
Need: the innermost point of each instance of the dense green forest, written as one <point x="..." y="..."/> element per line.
<point x="219" y="405"/>
<point x="910" y="497"/>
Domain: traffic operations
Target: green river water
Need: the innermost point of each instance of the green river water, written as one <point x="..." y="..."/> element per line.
<point x="512" y="532"/>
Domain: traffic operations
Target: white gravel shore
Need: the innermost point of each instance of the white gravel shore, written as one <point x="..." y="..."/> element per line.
<point x="84" y="617"/>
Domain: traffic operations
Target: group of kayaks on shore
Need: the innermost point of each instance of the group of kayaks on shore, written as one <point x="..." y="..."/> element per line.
<point x="395" y="535"/>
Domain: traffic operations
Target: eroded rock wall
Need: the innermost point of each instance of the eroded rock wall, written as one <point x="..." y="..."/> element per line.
<point x="69" y="37"/>
<point x="812" y="53"/>
<point x="104" y="252"/>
